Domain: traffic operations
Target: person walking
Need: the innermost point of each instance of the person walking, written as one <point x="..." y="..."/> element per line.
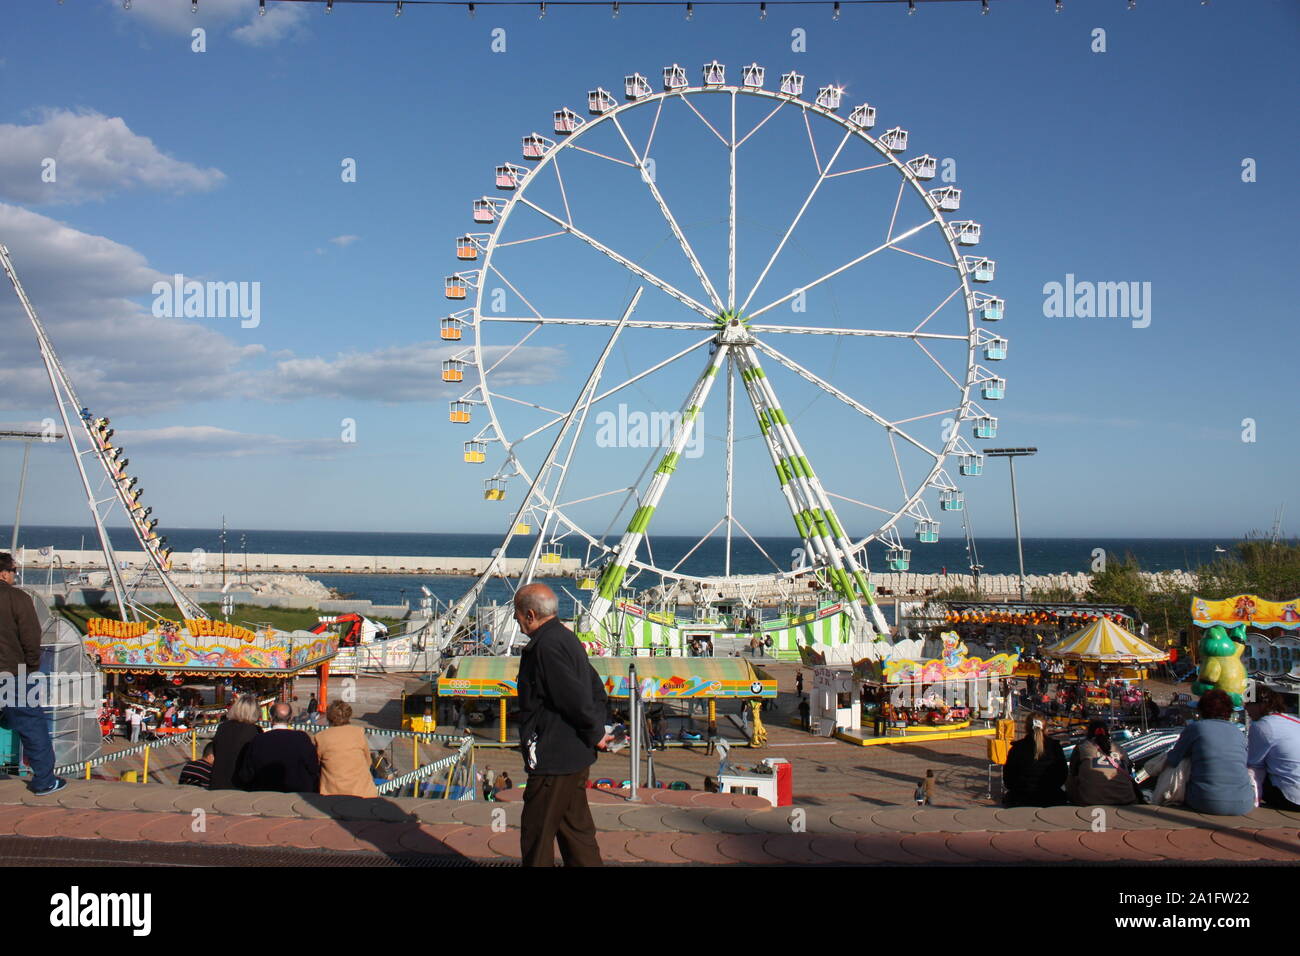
<point x="804" y="711"/>
<point x="344" y="754"/>
<point x="135" y="718"/>
<point x="20" y="658"/>
<point x="562" y="710"/>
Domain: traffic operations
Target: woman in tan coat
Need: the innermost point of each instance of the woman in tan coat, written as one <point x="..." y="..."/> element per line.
<point x="344" y="755"/>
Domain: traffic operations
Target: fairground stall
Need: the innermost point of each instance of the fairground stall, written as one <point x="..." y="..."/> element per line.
<point x="1272" y="640"/>
<point x="689" y="688"/>
<point x="953" y="695"/>
<point x="193" y="668"/>
<point x="1023" y="628"/>
<point x="1099" y="671"/>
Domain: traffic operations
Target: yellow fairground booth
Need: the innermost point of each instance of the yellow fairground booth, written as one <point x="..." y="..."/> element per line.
<point x="478" y="681"/>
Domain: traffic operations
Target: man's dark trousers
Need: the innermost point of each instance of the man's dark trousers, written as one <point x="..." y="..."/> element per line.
<point x="32" y="725"/>
<point x="555" y="808"/>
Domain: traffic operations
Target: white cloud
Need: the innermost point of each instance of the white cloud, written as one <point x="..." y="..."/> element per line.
<point x="209" y="441"/>
<point x="117" y="353"/>
<point x="406" y="373"/>
<point x="344" y="240"/>
<point x="282" y="20"/>
<point x="94" y="155"/>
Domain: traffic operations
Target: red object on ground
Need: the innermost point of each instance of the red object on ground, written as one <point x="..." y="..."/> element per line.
<point x="784" y="781"/>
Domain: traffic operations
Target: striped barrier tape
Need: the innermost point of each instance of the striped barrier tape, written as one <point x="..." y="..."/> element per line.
<point x="406" y="779"/>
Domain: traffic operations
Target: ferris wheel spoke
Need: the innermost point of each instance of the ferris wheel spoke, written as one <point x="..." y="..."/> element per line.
<point x="722" y="139"/>
<point x="564" y="194"/>
<point x="520" y="242"/>
<point x="898" y="464"/>
<point x="775" y="110"/>
<point x="937" y="262"/>
<point x="669" y="218"/>
<point x="625" y="383"/>
<point x="863" y="504"/>
<point x="853" y="403"/>
<point x="595" y="497"/>
<point x="871" y="333"/>
<point x="898" y="201"/>
<point x="509" y="352"/>
<point x="631" y="323"/>
<point x="935" y="311"/>
<point x="921" y="418"/>
<point x="860" y="169"/>
<point x="921" y="345"/>
<point x="695" y="547"/>
<point x="654" y="125"/>
<point x="833" y="273"/>
<point x="821" y="178"/>
<point x="612" y="159"/>
<point x="761" y="550"/>
<point x="520" y="401"/>
<point x="522" y="298"/>
<point x="626" y="263"/>
<point x="813" y="144"/>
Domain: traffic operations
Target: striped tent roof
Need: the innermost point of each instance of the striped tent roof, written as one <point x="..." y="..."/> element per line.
<point x="1105" y="642"/>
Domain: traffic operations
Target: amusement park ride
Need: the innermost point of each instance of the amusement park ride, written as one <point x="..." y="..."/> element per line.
<point x="733" y="326"/>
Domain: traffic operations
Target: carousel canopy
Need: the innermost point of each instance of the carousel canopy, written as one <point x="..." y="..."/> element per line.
<point x="1105" y="642"/>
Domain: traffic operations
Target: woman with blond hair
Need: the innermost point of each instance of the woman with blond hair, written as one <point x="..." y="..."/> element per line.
<point x="344" y="755"/>
<point x="236" y="730"/>
<point x="1035" y="769"/>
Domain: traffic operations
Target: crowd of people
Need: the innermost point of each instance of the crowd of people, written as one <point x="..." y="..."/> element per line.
<point x="243" y="756"/>
<point x="1213" y="767"/>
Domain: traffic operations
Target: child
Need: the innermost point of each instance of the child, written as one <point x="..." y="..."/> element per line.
<point x="925" y="790"/>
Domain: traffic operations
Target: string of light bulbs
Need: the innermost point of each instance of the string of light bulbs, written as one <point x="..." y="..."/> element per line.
<point x="617" y="5"/>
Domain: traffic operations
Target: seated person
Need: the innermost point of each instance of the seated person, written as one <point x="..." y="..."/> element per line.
<point x="1274" y="752"/>
<point x="1035" y="769"/>
<point x="1217" y="781"/>
<point x="1101" y="774"/>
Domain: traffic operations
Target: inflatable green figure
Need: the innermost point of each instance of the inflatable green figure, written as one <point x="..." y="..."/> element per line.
<point x="1221" y="665"/>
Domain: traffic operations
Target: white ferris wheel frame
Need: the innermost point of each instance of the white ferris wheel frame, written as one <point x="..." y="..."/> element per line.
<point x="976" y="335"/>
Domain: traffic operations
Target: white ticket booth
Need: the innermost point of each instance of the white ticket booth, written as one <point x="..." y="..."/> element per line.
<point x="835" y="701"/>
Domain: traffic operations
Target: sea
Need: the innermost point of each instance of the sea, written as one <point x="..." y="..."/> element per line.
<point x="996" y="555"/>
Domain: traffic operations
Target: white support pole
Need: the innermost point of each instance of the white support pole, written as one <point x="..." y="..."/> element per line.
<point x="731" y="438"/>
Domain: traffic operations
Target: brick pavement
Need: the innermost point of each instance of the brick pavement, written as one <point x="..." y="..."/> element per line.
<point x="713" y="830"/>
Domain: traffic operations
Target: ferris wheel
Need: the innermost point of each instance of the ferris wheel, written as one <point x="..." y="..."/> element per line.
<point x="748" y="217"/>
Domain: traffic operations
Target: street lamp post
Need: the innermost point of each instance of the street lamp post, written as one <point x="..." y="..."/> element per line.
<point x="26" y="436"/>
<point x="1011" y="454"/>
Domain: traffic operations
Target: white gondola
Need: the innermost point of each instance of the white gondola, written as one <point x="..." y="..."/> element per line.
<point x="986" y="426"/>
<point x="995" y="349"/>
<point x="567" y="121"/>
<point x="459" y="414"/>
<point x="456" y="286"/>
<point x="965" y="231"/>
<point x="715" y="74"/>
<point x="486" y="209"/>
<point x="536" y="145"/>
<point x="951" y="500"/>
<point x="675" y="78"/>
<point x="494" y="489"/>
<point x="989" y="307"/>
<point x="792" y="84"/>
<point x="972" y="465"/>
<point x="924" y="167"/>
<point x="453" y="370"/>
<point x="475" y="452"/>
<point x="829" y="97"/>
<point x="863" y="117"/>
<point x="600" y="102"/>
<point x="947" y="198"/>
<point x="927" y="531"/>
<point x="636" y="86"/>
<point x="894" y="140"/>
<point x="898" y="559"/>
<point x="981" y="270"/>
<point x="510" y="176"/>
<point x="994" y="388"/>
<point x="751" y="77"/>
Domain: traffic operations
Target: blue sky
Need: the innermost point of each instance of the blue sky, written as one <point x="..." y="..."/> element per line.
<point x="225" y="165"/>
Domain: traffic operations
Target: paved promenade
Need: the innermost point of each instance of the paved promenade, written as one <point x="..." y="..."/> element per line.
<point x="157" y="823"/>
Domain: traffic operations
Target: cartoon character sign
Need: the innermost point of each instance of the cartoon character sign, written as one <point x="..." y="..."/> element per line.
<point x="1244" y="609"/>
<point x="1221" y="666"/>
<point x="954" y="649"/>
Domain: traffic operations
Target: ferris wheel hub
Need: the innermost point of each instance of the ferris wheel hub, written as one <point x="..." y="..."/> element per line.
<point x="733" y="328"/>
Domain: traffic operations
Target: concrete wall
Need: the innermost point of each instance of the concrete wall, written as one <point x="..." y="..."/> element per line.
<point x="308" y="563"/>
